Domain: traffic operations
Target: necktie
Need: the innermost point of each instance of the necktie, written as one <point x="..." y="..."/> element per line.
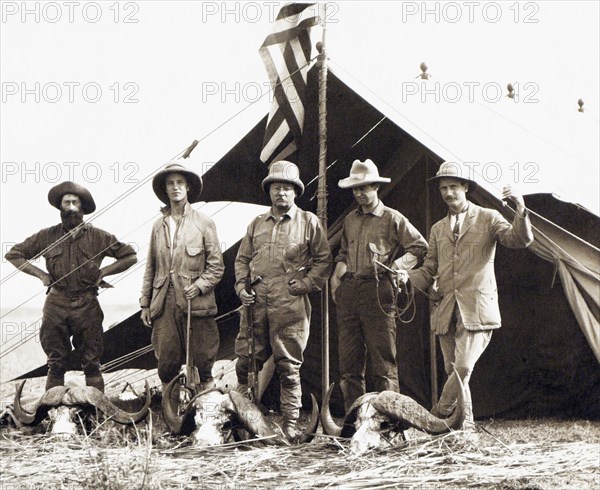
<point x="456" y="229"/>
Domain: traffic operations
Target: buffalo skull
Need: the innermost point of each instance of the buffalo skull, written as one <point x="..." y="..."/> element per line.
<point x="213" y="415"/>
<point x="63" y="405"/>
<point x="375" y="419"/>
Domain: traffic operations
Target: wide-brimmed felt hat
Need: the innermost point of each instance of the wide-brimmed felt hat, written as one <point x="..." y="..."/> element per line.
<point x="194" y="182"/>
<point x="58" y="191"/>
<point x="283" y="171"/>
<point x="453" y="170"/>
<point x="363" y="173"/>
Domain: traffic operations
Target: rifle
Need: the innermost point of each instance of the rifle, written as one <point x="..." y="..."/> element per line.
<point x="187" y="381"/>
<point x="252" y="370"/>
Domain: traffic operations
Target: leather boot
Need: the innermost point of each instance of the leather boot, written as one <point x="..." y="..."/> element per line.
<point x="290" y="430"/>
<point x="53" y="380"/>
<point x="95" y="381"/>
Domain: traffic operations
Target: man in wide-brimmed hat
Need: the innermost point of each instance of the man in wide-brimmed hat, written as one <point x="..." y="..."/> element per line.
<point x="184" y="264"/>
<point x="288" y="249"/>
<point x="365" y="300"/>
<point x="462" y="247"/>
<point x="73" y="251"/>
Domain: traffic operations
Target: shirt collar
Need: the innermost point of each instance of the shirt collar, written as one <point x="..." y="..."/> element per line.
<point x="290" y="213"/>
<point x="378" y="211"/>
<point x="81" y="229"/>
<point x="462" y="211"/>
<point x="166" y="210"/>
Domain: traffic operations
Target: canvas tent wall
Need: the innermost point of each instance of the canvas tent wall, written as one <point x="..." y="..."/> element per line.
<point x="540" y="362"/>
<point x="541" y="355"/>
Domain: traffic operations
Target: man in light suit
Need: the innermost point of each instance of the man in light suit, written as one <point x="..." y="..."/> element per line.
<point x="461" y="254"/>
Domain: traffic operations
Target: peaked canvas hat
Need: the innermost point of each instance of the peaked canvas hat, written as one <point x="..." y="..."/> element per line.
<point x="453" y="170"/>
<point x="193" y="179"/>
<point x="283" y="171"/>
<point x="363" y="173"/>
<point x="58" y="191"/>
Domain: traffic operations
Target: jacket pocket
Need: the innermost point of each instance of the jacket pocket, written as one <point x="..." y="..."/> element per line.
<point x="489" y="311"/>
<point x="194" y="259"/>
<point x="53" y="262"/>
<point x="88" y="268"/>
<point x="159" y="281"/>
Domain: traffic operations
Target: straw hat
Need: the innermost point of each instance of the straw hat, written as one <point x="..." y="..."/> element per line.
<point x="283" y="171"/>
<point x="193" y="179"/>
<point x="453" y="170"/>
<point x="56" y="194"/>
<point x="363" y="173"/>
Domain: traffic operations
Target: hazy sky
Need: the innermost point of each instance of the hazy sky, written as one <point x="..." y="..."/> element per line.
<point x="103" y="93"/>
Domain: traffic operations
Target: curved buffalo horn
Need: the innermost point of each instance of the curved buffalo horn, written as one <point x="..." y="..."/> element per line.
<point x="81" y="395"/>
<point x="329" y="425"/>
<point x="313" y="423"/>
<point x="404" y="409"/>
<point x="170" y="414"/>
<point x="50" y="398"/>
<point x="347" y="429"/>
<point x="250" y="416"/>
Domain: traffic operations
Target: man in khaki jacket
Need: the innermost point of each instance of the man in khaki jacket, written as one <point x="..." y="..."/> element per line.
<point x="461" y="254"/>
<point x="184" y="264"/>
<point x="287" y="248"/>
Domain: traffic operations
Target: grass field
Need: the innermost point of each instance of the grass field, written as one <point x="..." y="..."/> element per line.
<point x="524" y="454"/>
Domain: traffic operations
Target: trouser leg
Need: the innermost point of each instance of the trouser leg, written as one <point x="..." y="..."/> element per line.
<point x="289" y="321"/>
<point x="351" y="343"/>
<point x="204" y="345"/>
<point x="460" y="360"/>
<point x="55" y="339"/>
<point x="86" y="321"/>
<point x="167" y="339"/>
<point x="379" y="328"/>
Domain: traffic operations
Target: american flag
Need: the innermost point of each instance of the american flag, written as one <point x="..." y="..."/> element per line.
<point x="286" y="53"/>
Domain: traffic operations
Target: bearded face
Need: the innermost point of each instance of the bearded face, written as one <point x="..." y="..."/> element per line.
<point x="71" y="214"/>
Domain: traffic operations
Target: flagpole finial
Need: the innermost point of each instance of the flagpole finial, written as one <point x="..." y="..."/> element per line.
<point x="580" y="103"/>
<point x="424" y="75"/>
<point x="511" y="91"/>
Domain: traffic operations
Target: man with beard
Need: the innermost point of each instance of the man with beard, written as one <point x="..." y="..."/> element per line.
<point x="287" y="248"/>
<point x="73" y="251"/>
<point x="363" y="295"/>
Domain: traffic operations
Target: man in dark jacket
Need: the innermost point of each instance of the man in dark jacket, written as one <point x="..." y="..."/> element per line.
<point x="73" y="251"/>
<point x="184" y="264"/>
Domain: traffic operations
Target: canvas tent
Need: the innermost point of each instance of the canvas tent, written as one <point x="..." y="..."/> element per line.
<point x="544" y="361"/>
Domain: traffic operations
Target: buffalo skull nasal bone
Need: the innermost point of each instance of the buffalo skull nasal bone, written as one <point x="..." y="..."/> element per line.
<point x="62" y="420"/>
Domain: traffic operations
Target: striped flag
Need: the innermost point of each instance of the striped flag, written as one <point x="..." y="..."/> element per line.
<point x="286" y="53"/>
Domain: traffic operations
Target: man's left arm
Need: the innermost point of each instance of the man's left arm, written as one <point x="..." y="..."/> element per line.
<point x="214" y="266"/>
<point x="125" y="257"/>
<point x="321" y="259"/>
<point x="414" y="244"/>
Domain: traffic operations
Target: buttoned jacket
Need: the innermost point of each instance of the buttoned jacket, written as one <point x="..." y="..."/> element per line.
<point x="194" y="257"/>
<point x="465" y="268"/>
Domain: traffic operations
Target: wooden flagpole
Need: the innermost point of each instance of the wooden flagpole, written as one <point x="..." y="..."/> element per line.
<point x="322" y="199"/>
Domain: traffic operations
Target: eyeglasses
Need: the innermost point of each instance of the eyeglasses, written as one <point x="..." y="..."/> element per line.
<point x="282" y="187"/>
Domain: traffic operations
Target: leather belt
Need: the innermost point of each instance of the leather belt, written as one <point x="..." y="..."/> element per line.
<point x="67" y="293"/>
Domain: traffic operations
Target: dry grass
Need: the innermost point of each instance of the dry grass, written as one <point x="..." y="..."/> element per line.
<point x="532" y="454"/>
